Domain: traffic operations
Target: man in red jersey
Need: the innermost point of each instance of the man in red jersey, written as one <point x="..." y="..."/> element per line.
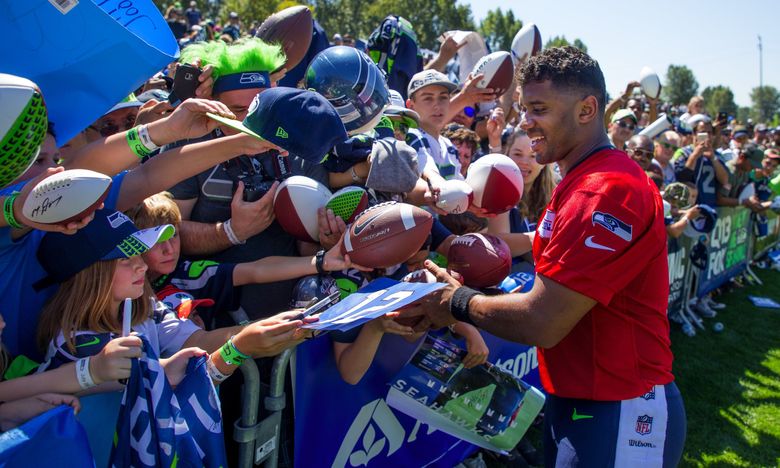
<point x="597" y="310"/>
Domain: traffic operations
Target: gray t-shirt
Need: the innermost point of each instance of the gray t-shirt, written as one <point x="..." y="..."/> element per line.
<point x="213" y="189"/>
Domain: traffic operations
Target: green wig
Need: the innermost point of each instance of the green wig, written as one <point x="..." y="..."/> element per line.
<point x="245" y="55"/>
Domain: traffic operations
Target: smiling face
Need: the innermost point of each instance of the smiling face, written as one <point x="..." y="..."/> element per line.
<point x="521" y="154"/>
<point x="129" y="278"/>
<point x="550" y="119"/>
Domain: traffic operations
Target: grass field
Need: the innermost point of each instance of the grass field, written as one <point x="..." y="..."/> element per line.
<point x="731" y="382"/>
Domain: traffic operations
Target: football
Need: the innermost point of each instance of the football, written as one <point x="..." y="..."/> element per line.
<point x="23" y="124"/>
<point x="482" y="259"/>
<point x="348" y="202"/>
<point x="419" y="276"/>
<point x="455" y="196"/>
<point x="498" y="70"/>
<point x="651" y="84"/>
<point x="66" y="196"/>
<point x="386" y="234"/>
<point x="497" y="183"/>
<point x="295" y="205"/>
<point x="292" y="29"/>
<point x="527" y="42"/>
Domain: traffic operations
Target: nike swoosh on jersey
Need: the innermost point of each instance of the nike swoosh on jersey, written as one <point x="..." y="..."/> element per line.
<point x="589" y="242"/>
<point x="577" y="417"/>
<point x="95" y="340"/>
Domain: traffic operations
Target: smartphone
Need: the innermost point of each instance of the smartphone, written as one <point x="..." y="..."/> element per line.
<point x="702" y="137"/>
<point x="184" y="83"/>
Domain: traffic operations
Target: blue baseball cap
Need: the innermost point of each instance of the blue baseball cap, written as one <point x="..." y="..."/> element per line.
<point x="300" y="121"/>
<point x="111" y="235"/>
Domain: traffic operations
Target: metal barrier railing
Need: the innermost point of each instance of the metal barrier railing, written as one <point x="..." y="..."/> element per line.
<point x="259" y="442"/>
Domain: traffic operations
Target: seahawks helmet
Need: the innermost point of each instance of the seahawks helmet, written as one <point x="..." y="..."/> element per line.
<point x="352" y="83"/>
<point x="23" y="123"/>
<point x="312" y="288"/>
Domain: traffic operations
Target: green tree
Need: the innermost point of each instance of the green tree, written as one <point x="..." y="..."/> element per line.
<point x="499" y="28"/>
<point x="561" y="41"/>
<point x="680" y="85"/>
<point x="743" y="114"/>
<point x="766" y="103"/>
<point x="719" y="99"/>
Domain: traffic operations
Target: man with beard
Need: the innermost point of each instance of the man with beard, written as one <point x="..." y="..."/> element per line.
<point x="597" y="309"/>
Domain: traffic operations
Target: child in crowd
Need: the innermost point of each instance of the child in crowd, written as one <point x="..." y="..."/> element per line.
<point x="209" y="280"/>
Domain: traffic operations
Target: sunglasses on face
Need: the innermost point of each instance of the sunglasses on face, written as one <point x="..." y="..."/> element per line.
<point x="627" y="125"/>
<point x="668" y="145"/>
<point x="641" y="152"/>
<point x="109" y="128"/>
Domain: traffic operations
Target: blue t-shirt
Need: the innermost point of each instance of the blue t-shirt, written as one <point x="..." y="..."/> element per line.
<point x="21" y="304"/>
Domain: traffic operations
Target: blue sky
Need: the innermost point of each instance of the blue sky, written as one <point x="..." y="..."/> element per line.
<point x="716" y="39"/>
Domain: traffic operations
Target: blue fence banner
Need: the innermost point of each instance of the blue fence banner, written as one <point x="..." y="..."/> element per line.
<point x="53" y="438"/>
<point x="361" y="428"/>
<point x="727" y="248"/>
<point x="484" y="405"/>
<point x="678" y="250"/>
<point x="159" y="426"/>
<point x="85" y="55"/>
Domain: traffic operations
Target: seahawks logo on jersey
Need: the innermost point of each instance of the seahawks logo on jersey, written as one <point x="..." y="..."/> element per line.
<point x="612" y="224"/>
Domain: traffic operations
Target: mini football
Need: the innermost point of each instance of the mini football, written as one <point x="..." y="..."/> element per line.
<point x="66" y="196"/>
<point x="295" y="205"/>
<point x="386" y="234"/>
<point x="292" y="29"/>
<point x="527" y="42"/>
<point x="497" y="183"/>
<point x="650" y="83"/>
<point x="455" y="196"/>
<point x="23" y="123"/>
<point x="348" y="202"/>
<point x="498" y="69"/>
<point x="482" y="259"/>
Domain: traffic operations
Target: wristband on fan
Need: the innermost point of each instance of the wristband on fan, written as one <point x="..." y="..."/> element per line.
<point x="136" y="145"/>
<point x="231" y="235"/>
<point x="459" y="304"/>
<point x="214" y="373"/>
<point x="146" y="140"/>
<point x="8" y="211"/>
<point x="83" y="375"/>
<point x="231" y="355"/>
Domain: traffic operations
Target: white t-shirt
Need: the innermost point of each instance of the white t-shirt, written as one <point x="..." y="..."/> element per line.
<point x="435" y="154"/>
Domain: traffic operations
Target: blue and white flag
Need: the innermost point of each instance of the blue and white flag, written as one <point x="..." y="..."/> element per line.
<point x="159" y="426"/>
<point x="47" y="440"/>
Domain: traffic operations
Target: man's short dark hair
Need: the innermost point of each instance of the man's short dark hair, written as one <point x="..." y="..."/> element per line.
<point x="567" y="67"/>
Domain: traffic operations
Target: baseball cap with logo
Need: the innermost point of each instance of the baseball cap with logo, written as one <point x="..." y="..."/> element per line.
<point x="429" y="78"/>
<point x="302" y="122"/>
<point x="111" y="235"/>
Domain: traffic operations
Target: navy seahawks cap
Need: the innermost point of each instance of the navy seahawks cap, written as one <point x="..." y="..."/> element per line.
<point x="111" y="235"/>
<point x="704" y="223"/>
<point x="299" y="121"/>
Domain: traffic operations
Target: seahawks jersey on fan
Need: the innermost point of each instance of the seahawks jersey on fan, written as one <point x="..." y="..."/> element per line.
<point x="434" y="154"/>
<point x="204" y="279"/>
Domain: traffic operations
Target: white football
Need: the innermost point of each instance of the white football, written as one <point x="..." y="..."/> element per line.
<point x="651" y="84"/>
<point x="66" y="196"/>
<point x="498" y="69"/>
<point x="455" y="196"/>
<point x="497" y="182"/>
<point x="527" y="42"/>
<point x="296" y="203"/>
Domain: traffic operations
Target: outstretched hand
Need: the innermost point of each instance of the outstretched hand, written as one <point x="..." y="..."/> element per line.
<point x="434" y="309"/>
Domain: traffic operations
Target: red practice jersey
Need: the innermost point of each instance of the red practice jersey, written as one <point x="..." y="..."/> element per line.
<point x="603" y="236"/>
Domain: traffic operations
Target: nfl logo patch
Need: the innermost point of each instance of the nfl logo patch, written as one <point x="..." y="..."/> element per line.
<point x="649" y="395"/>
<point x="644" y="425"/>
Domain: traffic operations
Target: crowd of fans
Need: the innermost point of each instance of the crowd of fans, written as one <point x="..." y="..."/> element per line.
<point x="224" y="272"/>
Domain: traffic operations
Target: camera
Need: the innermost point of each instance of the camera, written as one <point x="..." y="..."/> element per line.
<point x="255" y="186"/>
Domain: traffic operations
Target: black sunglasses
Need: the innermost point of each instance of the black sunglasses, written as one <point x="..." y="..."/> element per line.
<point x="622" y="124"/>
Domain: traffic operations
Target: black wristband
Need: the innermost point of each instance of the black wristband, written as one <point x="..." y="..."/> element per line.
<point x="319" y="259"/>
<point x="459" y="304"/>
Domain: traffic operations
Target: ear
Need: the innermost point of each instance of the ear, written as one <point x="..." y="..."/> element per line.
<point x="587" y="110"/>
